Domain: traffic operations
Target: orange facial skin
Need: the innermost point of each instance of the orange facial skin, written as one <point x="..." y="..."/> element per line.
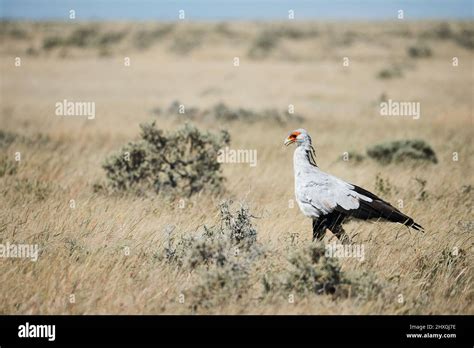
<point x="291" y="138"/>
<point x="294" y="135"/>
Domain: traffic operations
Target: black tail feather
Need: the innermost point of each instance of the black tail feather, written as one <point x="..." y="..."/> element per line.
<point x="379" y="209"/>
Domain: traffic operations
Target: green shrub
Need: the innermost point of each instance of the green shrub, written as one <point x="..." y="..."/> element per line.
<point x="443" y="31"/>
<point x="18" y="33"/>
<point x="223" y="113"/>
<point x="383" y="186"/>
<point x="185" y="42"/>
<point x="218" y="245"/>
<point x="465" y="38"/>
<point x="221" y="255"/>
<point x="7" y="138"/>
<point x="87" y="36"/>
<point x="223" y="29"/>
<point x="82" y="37"/>
<point x="401" y="151"/>
<point x="110" y="38"/>
<point x="268" y="39"/>
<point x="310" y="271"/>
<point x="51" y="42"/>
<point x="389" y="73"/>
<point x="352" y="157"/>
<point x="183" y="162"/>
<point x="145" y="38"/>
<point x="218" y="286"/>
<point x="264" y="43"/>
<point x="419" y="51"/>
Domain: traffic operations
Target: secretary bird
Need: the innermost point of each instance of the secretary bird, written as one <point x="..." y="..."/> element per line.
<point x="330" y="201"/>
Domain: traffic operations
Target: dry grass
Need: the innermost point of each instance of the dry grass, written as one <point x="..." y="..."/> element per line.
<point x="84" y="250"/>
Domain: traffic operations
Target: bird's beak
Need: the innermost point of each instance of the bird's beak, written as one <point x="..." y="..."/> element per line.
<point x="288" y="141"/>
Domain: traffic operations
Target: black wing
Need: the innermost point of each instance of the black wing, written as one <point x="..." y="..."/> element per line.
<point x="378" y="209"/>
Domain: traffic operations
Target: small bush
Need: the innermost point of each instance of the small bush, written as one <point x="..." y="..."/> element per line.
<point x="224" y="30"/>
<point x="146" y="38"/>
<point x="82" y="37"/>
<point x="189" y="112"/>
<point x="268" y="39"/>
<point x="221" y="255"/>
<point x="18" y="33"/>
<point x="352" y="157"/>
<point x="310" y="271"/>
<point x="223" y="113"/>
<point x="419" y="51"/>
<point x="185" y="42"/>
<point x="401" y="151"/>
<point x="218" y="245"/>
<point x="218" y="286"/>
<point x="389" y="73"/>
<point x="422" y="193"/>
<point x="51" y="42"/>
<point x="443" y="31"/>
<point x="264" y="43"/>
<point x="465" y="39"/>
<point x="7" y="138"/>
<point x="183" y="162"/>
<point x="110" y="38"/>
<point x="383" y="186"/>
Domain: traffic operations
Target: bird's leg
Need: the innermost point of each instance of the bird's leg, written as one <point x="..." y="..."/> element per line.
<point x="319" y="229"/>
<point x="339" y="232"/>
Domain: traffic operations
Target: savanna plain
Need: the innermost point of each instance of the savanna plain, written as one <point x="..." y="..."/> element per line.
<point x="117" y="238"/>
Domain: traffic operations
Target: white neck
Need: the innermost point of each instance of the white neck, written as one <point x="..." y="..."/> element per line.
<point x="303" y="158"/>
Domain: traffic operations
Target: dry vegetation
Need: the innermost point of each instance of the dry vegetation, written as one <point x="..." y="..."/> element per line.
<point x="121" y="251"/>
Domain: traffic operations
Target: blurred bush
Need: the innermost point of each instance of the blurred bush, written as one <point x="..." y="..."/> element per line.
<point x="419" y="51"/>
<point x="391" y="72"/>
<point x="268" y="38"/>
<point x="223" y="113"/>
<point x="85" y="36"/>
<point x="146" y="38"/>
<point x="401" y="151"/>
<point x="7" y="138"/>
<point x="263" y="44"/>
<point x="465" y="38"/>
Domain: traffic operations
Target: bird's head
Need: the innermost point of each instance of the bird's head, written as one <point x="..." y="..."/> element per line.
<point x="298" y="136"/>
